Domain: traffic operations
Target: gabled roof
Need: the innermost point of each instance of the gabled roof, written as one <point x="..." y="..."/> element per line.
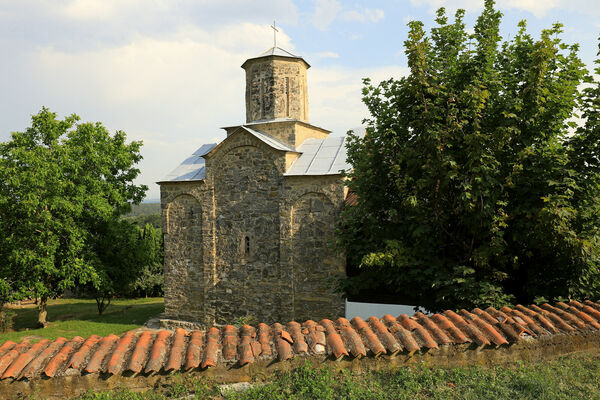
<point x="164" y="351"/>
<point x="321" y="157"/>
<point x="193" y="168"/>
<point x="271" y="141"/>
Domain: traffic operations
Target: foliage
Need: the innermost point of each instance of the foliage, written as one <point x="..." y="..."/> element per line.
<point x="129" y="262"/>
<point x="150" y="277"/>
<point x="143" y="220"/>
<point x="474" y="187"/>
<point x="569" y="377"/>
<point x="79" y="317"/>
<point x="59" y="181"/>
<point x="6" y="319"/>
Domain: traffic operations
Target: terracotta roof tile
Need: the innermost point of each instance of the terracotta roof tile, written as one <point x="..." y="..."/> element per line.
<point x="153" y="352"/>
<point x="544" y="322"/>
<point x="158" y="352"/>
<point x="436" y="333"/>
<point x="334" y="340"/>
<point x="470" y="330"/>
<point x="556" y="320"/>
<point x="95" y="363"/>
<point x="229" y="342"/>
<point x="405" y="339"/>
<point x="282" y="341"/>
<point x="140" y="352"/>
<point x="456" y="334"/>
<point x="245" y="348"/>
<point x="35" y="366"/>
<point x="385" y="336"/>
<point x="117" y="359"/>
<point x="297" y="337"/>
<point x="264" y="339"/>
<point x="13" y="355"/>
<point x="372" y="341"/>
<point x="352" y="338"/>
<point x="524" y="320"/>
<point x="420" y="333"/>
<point x="25" y="358"/>
<point x="65" y="352"/>
<point x="212" y="347"/>
<point x="315" y="337"/>
<point x="82" y="353"/>
<point x="488" y="330"/>
<point x="177" y="350"/>
<point x="192" y="357"/>
<point x="6" y="347"/>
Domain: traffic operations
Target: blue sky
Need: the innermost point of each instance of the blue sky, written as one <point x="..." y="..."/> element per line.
<point x="168" y="71"/>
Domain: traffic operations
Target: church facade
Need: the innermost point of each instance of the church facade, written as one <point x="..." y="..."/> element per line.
<point x="249" y="222"/>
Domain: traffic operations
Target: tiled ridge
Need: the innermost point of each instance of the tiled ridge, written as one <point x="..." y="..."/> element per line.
<point x="152" y="352"/>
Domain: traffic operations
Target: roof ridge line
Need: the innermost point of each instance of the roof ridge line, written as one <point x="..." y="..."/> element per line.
<point x="337" y="153"/>
<point x="315" y="156"/>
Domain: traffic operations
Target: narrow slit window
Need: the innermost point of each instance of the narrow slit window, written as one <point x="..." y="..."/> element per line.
<point x="247" y="246"/>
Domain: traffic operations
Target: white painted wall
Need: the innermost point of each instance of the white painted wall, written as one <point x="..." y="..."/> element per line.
<point x="366" y="310"/>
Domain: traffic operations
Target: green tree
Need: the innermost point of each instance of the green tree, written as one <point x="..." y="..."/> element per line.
<point x="474" y="188"/>
<point x="59" y="181"/>
<point x="129" y="260"/>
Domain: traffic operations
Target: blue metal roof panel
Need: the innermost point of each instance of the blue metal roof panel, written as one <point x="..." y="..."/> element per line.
<point x="321" y="157"/>
<point x="192" y="168"/>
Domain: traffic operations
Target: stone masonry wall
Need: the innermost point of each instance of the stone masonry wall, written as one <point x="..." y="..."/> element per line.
<point x="247" y="179"/>
<point x="249" y="241"/>
<point x="276" y="88"/>
<point x="309" y="217"/>
<point x="185" y="224"/>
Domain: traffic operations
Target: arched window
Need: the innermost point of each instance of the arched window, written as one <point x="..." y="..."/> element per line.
<point x="246" y="246"/>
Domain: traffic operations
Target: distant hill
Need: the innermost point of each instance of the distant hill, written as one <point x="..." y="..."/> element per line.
<point x="144" y="209"/>
<point x="145" y="213"/>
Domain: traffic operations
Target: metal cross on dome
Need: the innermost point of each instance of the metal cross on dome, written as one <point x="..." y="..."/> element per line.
<point x="275" y="30"/>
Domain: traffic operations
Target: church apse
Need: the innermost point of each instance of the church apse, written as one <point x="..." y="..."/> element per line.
<point x="183" y="257"/>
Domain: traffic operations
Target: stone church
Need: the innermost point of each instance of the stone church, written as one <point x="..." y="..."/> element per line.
<point x="249" y="222"/>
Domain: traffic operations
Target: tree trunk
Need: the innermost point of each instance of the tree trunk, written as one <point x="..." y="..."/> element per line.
<point x="42" y="313"/>
<point x="102" y="303"/>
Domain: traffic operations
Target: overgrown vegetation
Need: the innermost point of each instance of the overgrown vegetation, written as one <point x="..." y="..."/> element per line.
<point x="570" y="377"/>
<point x="475" y="187"/>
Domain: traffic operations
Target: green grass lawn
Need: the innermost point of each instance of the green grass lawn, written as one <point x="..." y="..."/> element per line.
<point x="79" y="317"/>
<point x="574" y="376"/>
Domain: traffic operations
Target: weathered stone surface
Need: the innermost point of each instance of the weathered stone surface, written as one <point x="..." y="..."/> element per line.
<point x="248" y="240"/>
<point x="276" y="88"/>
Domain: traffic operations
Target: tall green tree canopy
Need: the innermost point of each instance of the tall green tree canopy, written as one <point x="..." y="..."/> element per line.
<point x="475" y="187"/>
<point x="59" y="181"/>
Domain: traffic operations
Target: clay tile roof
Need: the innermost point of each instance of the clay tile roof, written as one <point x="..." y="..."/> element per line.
<point x="164" y="351"/>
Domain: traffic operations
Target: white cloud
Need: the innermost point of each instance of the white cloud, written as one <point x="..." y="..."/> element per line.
<point x="335" y="94"/>
<point x="539" y="8"/>
<point x="325" y="13"/>
<point x="367" y="15"/>
<point x="172" y="92"/>
<point x="327" y="54"/>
